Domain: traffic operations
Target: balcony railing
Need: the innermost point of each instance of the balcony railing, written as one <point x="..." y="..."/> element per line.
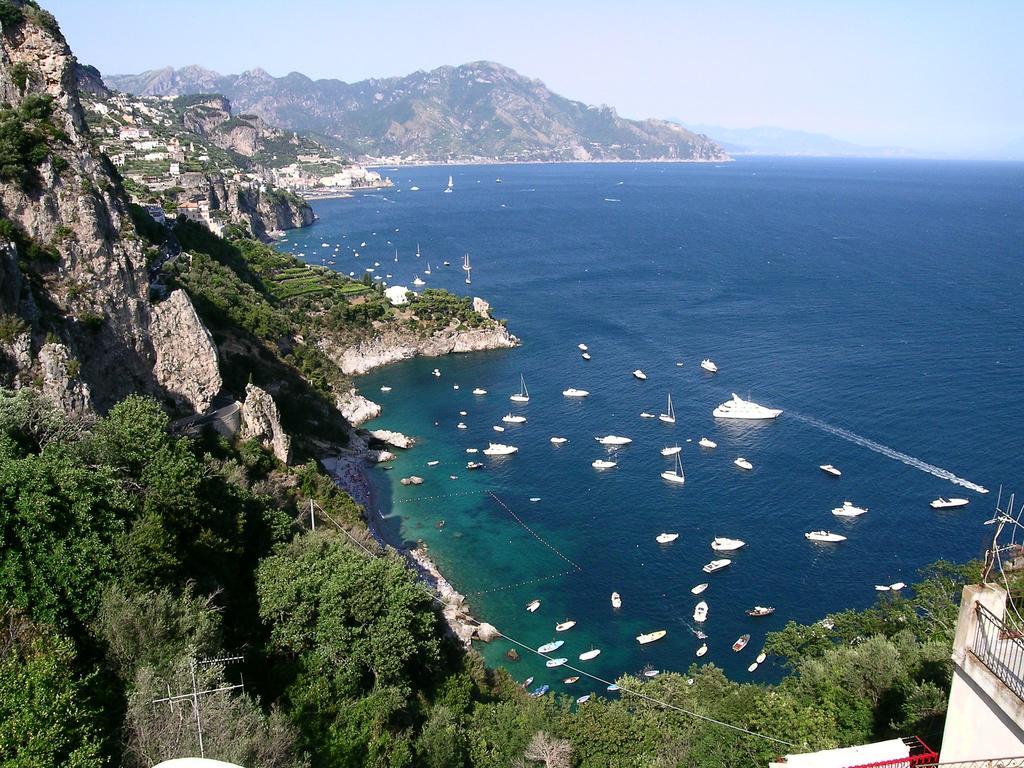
<point x="999" y="647"/>
<point x="921" y="756"/>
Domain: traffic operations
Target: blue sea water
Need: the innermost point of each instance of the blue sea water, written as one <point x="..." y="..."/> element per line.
<point x="880" y="297"/>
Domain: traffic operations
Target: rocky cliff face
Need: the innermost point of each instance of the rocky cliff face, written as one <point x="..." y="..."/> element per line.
<point x="261" y="420"/>
<point x="186" y="358"/>
<point x="256" y="207"/>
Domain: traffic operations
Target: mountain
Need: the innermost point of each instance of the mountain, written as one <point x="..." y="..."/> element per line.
<point x="782" y="141"/>
<point x="476" y="112"/>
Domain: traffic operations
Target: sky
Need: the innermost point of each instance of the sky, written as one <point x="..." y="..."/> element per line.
<point x="940" y="77"/>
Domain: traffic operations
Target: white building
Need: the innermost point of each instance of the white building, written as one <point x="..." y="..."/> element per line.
<point x="397" y="295"/>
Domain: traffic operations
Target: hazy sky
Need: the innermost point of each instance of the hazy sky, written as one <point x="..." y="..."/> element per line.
<point x="938" y="76"/>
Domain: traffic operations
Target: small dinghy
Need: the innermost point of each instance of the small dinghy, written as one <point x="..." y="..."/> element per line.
<point x="554" y="645"/>
<point x="385" y="389"/>
<point x="700" y="613"/>
<point x="703" y="649"/>
<point x="613" y="687"/>
<point x="752" y="667"/>
<point x="533" y="605"/>
<point x="565" y="625"/>
<point x="666" y="538"/>
<point x="583" y="699"/>
<point x="761" y="657"/>
<point x="585" y="355"/>
<point x="616" y="600"/>
<point x="646" y="415"/>
<point x="528" y="682"/>
<point x="652" y="672"/>
<point x="433" y="463"/>
<point x="479" y="391"/>
<point x="497" y="428"/>
<point x="472" y="450"/>
<point x="593" y="653"/>
<point x="638" y="374"/>
<point x="699" y="588"/>
<point x="760" y="610"/>
<point x="571" y="680"/>
<point x="829" y="469"/>
<point x="741" y="643"/>
<point x="461" y="425"/>
<point x="897" y="586"/>
<point x="552" y="663"/>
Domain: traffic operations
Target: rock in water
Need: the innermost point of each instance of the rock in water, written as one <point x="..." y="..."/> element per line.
<point x="512" y="655"/>
<point x="486" y="632"/>
<point x="356" y="409"/>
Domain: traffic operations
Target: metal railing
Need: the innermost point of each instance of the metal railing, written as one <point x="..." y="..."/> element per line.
<point x="1000" y="648"/>
<point x="921" y="756"/>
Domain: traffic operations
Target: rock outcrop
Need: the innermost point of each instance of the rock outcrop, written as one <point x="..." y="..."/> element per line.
<point x="392" y="345"/>
<point x="261" y="420"/>
<point x="60" y="382"/>
<point x="186" y="358"/>
<point x="396" y="439"/>
<point x="356" y="409"/>
<point x="455" y="609"/>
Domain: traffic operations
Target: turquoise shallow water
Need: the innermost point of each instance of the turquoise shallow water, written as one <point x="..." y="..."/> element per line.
<point x="879" y="297"/>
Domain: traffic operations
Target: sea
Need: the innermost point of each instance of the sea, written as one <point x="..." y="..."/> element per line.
<point x="877" y="302"/>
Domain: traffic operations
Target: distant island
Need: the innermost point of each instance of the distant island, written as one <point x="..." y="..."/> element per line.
<point x="480" y="112"/>
<point x="769" y="140"/>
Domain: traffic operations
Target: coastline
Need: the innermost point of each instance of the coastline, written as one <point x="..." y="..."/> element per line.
<point x="494" y="161"/>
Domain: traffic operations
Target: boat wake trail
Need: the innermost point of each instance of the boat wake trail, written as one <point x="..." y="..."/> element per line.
<point x="892" y="453"/>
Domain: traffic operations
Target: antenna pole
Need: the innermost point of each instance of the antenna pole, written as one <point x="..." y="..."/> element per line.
<point x="195" y="706"/>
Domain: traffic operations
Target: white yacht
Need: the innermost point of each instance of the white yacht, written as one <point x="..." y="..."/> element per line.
<point x="743" y="463"/>
<point x="669" y="417"/>
<point x="829" y="469"/>
<point x="418" y="281"/>
<point x="509" y="418"/>
<point x="616" y="600"/>
<point x="706" y="443"/>
<point x="552" y="663"/>
<point x="554" y="645"/>
<point x="585" y="355"/>
<point x="573" y="392"/>
<point x="666" y="538"/>
<point x="613" y="440"/>
<point x="650" y="637"/>
<point x="708" y="366"/>
<point x="602" y="464"/>
<point x="385" y="389"/>
<point x="461" y="425"/>
<point x="703" y="649"/>
<point x="582" y="347"/>
<point x="738" y="408"/>
<point x="849" y="509"/>
<point x="479" y="391"/>
<point x="497" y="449"/>
<point x="671" y="451"/>
<point x="593" y="653"/>
<point x="700" y="613"/>
<point x="717" y="565"/>
<point x="675" y="475"/>
<point x="897" y="586"/>
<point x="640" y="375"/>
<point x="559" y="440"/>
<point x="941" y="503"/>
<point x="721" y="544"/>
<point x="451" y="185"/>
<point x="825" y="536"/>
<point x="564" y="626"/>
<point x="523" y="395"/>
<point x="699" y="588"/>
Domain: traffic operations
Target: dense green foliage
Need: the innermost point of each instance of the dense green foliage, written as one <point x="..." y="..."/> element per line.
<point x="26" y="138"/>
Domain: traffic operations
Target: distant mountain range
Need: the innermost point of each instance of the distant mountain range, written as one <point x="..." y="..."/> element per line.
<point x="476" y="112"/>
<point x="782" y="141"/>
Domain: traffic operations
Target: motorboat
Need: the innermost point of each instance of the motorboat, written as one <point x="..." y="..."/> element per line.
<point x="528" y="681"/>
<point x="741" y="643"/>
<point x="571" y="680"/>
<point x="512" y="419"/>
<point x="472" y="450"/>
<point x="761" y="610"/>
<point x="707" y="365"/>
<point x="699" y="588"/>
<point x="753" y="665"/>
<point x="849" y="509"/>
<point x="761" y="657"/>
<point x="942" y="503"/>
<point x="463" y="413"/>
<point x="646" y="415"/>
<point x="669" y="417"/>
<point x="585" y="355"/>
<point x="533" y="605"/>
<point x="455" y="387"/>
<point x="593" y="653"/>
<point x="638" y="374"/>
<point x="705" y="443"/>
<point x="473" y="465"/>
<point x="559" y="440"/>
<point x="573" y="392"/>
<point x="479" y="391"/>
<point x="534" y="499"/>
<point x="616" y="600"/>
<point x="881" y="587"/>
<point x="652" y="672"/>
<point x="675" y="475"/>
<point x="700" y="613"/>
<point x="436" y="372"/>
<point x="552" y="663"/>
<point x="722" y="544"/>
<point x="498" y="449"/>
<point x="829" y="469"/>
<point x="743" y="463"/>
<point x="523" y="395"/>
<point x="613" y="687"/>
<point x="461" y="425"/>
<point x="666" y="538"/>
<point x="385" y="389"/>
<point x="671" y="451"/>
<point x="540" y="690"/>
<point x="717" y="565"/>
<point x="613" y="440"/>
<point x="433" y="463"/>
<point x="565" y="625"/>
<point x="418" y="281"/>
<point x="602" y="464"/>
<point x="825" y="536"/>
<point x="703" y="649"/>
<point x="738" y="408"/>
<point x="582" y="347"/>
<point x="583" y="699"/>
<point x="554" y="645"/>
<point x="498" y="428"/>
<point x="650" y="637"/>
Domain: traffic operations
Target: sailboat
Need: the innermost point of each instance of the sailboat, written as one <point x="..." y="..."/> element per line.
<point x="468" y="268"/>
<point x="670" y="417"/>
<point x="427" y="270"/>
<point x="451" y="185"/>
<point x="523" y="395"/>
<point x="675" y="475"/>
<point x="396" y="255"/>
<point x="417" y="250"/>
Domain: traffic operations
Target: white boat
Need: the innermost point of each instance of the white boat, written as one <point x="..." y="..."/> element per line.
<point x="472" y="450"/>
<point x="881" y="587"/>
<point x="700" y="613"/>
<point x="497" y="449"/>
<point x="509" y="418"/>
<point x="468" y="268"/>
<point x="433" y="463"/>
<point x="456" y="386"/>
<point x="705" y="443"/>
<point x="717" y="565"/>
<point x="461" y="425"/>
<point x="708" y="365"/>
<point x="573" y="392"/>
<point x="571" y="680"/>
<point x="552" y="663"/>
<point x="652" y="672"/>
<point x="761" y="657"/>
<point x="559" y="440"/>
<point x="582" y="347"/>
<point x="523" y="395"/>
<point x="436" y="371"/>
<point x="585" y="355"/>
<point x="474" y="465"/>
<point x="640" y="375"/>
<point x="427" y="270"/>
<point x="699" y="588"/>
<point x="825" y="536"/>
<point x="671" y="451"/>
<point x="721" y="544"/>
<point x="554" y="645"/>
<point x="941" y="503"/>
<point x="451" y="185"/>
<point x="703" y="649"/>
<point x="479" y="391"/>
<point x="666" y="538"/>
<point x="583" y="699"/>
<point x="417" y="244"/>
<point x="613" y="440"/>
<point x="752" y="666"/>
<point x="565" y="625"/>
<point x="760" y="610"/>
<point x="675" y="475"/>
<point x="496" y="428"/>
<point x="593" y="653"/>
<point x="743" y="463"/>
<point x="650" y="637"/>
<point x="446" y="263"/>
<point x="602" y="464"/>
<point x="533" y="605"/>
<point x="669" y="417"/>
<point x="396" y="255"/>
<point x="417" y="281"/>
<point x="828" y="468"/>
<point x="738" y="408"/>
<point x="897" y="586"/>
<point x="849" y="510"/>
<point x="385" y="389"/>
<point x="534" y="499"/>
<point x="616" y="600"/>
<point x="414" y="189"/>
<point x="646" y="415"/>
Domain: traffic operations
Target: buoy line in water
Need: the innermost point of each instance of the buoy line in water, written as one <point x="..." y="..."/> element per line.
<point x="532" y="532"/>
<point x="524" y="583"/>
<point x="892" y="453"/>
<point x="438" y="496"/>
